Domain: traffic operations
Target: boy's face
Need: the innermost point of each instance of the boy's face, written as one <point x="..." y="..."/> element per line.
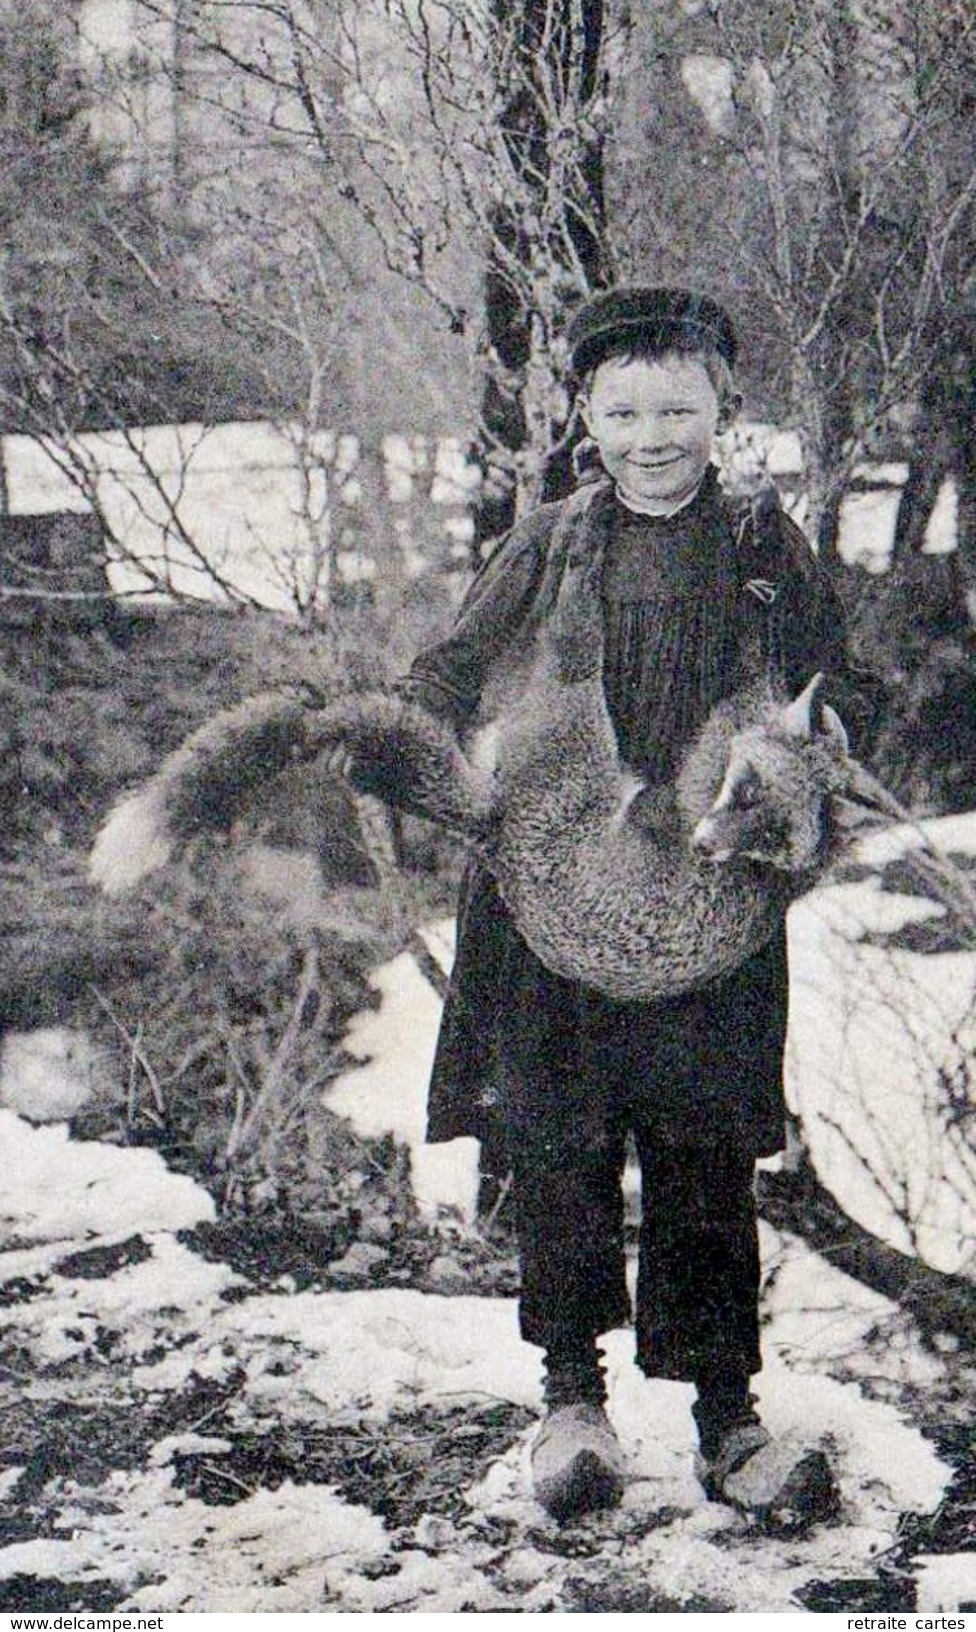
<point x="654" y="423"/>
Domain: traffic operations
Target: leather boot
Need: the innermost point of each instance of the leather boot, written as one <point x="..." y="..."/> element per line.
<point x="785" y="1487"/>
<point x="577" y="1463"/>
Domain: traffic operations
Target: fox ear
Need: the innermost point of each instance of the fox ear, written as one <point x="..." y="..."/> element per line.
<point x="804" y="715"/>
<point x="833" y="727"/>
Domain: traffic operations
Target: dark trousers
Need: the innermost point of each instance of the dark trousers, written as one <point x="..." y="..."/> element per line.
<point x="698" y="1270"/>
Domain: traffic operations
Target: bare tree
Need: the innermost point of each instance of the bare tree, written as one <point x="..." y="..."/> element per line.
<point x="466" y="139"/>
<point x="816" y="173"/>
<point x="98" y="331"/>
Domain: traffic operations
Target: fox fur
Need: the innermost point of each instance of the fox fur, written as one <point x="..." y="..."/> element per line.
<point x="639" y="892"/>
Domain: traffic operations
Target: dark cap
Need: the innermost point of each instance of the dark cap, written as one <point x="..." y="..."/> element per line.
<point x="618" y="318"/>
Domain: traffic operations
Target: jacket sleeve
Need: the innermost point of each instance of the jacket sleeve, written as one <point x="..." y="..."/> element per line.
<point x="447" y="678"/>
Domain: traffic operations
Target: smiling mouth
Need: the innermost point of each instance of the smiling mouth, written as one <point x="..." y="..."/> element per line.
<point x="656" y="464"/>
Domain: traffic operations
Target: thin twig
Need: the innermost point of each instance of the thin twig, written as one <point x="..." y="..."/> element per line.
<point x="138" y="1053"/>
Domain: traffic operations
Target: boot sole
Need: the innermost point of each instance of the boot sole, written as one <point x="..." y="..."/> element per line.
<point x="808" y="1496"/>
<point x="587" y="1486"/>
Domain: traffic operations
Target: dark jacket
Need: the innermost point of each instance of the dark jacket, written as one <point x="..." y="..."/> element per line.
<point x="711" y="1061"/>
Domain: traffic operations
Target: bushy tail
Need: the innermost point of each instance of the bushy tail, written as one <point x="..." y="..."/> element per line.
<point x="200" y="787"/>
<point x="408" y="757"/>
<point x="411" y="759"/>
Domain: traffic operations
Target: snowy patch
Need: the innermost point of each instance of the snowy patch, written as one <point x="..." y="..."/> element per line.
<point x="946" y="1583"/>
<point x="128" y="1313"/>
<point x="164" y="1450"/>
<point x="867" y="520"/>
<point x="56" y="1189"/>
<point x="833" y="1324"/>
<point x="376" y="1350"/>
<point x="945" y="833"/>
<point x="300" y="1363"/>
<point x="387" y="1092"/>
<point x="370" y="1353"/>
<point x="877" y="1037"/>
<point x="269" y="1553"/>
<point x="49" y="1074"/>
<point x="708" y="81"/>
<point x="440" y="940"/>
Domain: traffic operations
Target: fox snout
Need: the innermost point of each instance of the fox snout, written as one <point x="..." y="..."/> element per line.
<point x="710" y="842"/>
<point x="742" y="822"/>
<point x="765" y="835"/>
<point x="753" y="824"/>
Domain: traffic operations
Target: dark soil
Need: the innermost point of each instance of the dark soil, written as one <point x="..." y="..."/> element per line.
<point x="411" y="1465"/>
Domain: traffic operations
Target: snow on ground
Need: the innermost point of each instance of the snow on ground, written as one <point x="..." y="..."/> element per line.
<point x="254" y="497"/>
<point x="387" y="1092"/>
<point x="49" y="1073"/>
<point x="317" y="1358"/>
<point x="271" y="1553"/>
<point x="880" y="1057"/>
<point x="46" y="1205"/>
<point x="867" y="520"/>
<point x="947" y="1581"/>
<point x="238" y="492"/>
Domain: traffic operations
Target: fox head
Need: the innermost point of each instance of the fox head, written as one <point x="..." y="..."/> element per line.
<point x="773" y="805"/>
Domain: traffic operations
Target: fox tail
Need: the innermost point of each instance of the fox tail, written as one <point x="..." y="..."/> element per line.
<point x="408" y="757"/>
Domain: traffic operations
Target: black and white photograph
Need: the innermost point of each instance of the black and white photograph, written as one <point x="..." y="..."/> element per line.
<point x="488" y="809"/>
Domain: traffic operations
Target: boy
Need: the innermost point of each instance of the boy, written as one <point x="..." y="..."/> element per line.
<point x="696" y="594"/>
